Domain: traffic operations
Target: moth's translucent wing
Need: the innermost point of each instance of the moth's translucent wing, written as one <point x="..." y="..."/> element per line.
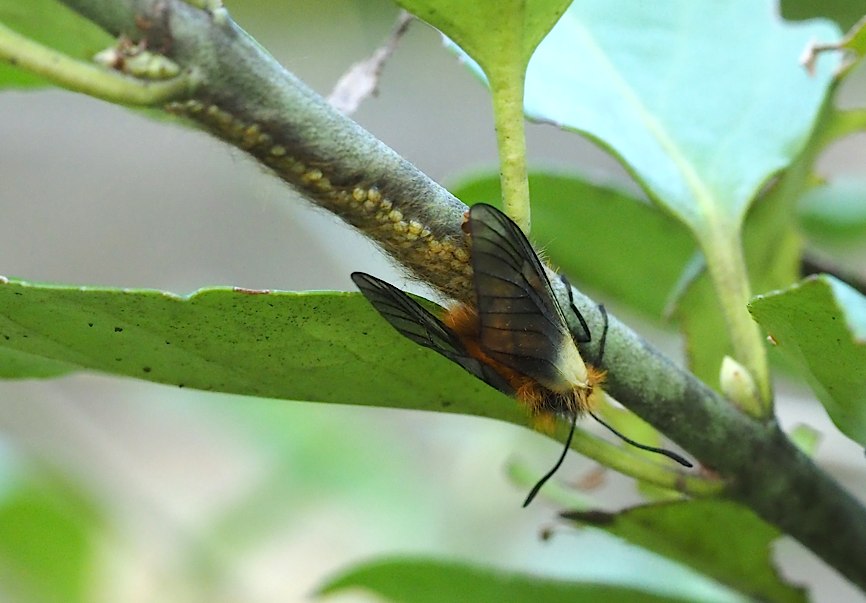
<point x="408" y="316"/>
<point x="522" y="324"/>
<point x="414" y="322"/>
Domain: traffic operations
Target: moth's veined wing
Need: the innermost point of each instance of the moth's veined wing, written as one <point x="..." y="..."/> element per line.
<point x="522" y="324"/>
<point x="413" y="321"/>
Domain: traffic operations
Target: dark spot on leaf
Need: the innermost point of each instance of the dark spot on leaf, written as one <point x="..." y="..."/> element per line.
<point x="146" y="369"/>
<point x="6" y="337"/>
<point x="118" y="359"/>
<point x="446" y="404"/>
<point x="118" y="329"/>
<point x="167" y="342"/>
<point x="180" y="385"/>
<point x="90" y="324"/>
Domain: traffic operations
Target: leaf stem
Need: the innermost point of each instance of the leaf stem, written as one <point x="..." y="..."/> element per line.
<point x="86" y="78"/>
<point x="507" y="89"/>
<point x="723" y="250"/>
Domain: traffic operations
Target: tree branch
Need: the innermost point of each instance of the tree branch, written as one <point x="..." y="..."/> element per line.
<point x="250" y="101"/>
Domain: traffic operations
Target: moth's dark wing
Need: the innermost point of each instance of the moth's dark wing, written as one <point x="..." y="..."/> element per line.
<point x="413" y="321"/>
<point x="408" y="316"/>
<point x="522" y="324"/>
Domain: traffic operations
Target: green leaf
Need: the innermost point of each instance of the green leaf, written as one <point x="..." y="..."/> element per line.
<point x="53" y="24"/>
<point x="855" y="40"/>
<point x="820" y="324"/>
<point x="21" y="365"/>
<point x="835" y="211"/>
<point x="719" y="539"/>
<point x="573" y="220"/>
<point x="46" y="542"/>
<point x="326" y="347"/>
<point x="700" y="118"/>
<point x="843" y="12"/>
<point x="500" y="35"/>
<point x="429" y="580"/>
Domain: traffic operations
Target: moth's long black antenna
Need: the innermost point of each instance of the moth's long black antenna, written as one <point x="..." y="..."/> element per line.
<point x="603" y="339"/>
<point x="586" y="336"/>
<point x="668" y="453"/>
<point x="601" y="343"/>
<point x="558" y="464"/>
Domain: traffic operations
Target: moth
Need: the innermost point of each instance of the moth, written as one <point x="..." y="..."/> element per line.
<point x="515" y="336"/>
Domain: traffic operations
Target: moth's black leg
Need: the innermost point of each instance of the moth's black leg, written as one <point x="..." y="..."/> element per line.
<point x="588" y="336"/>
<point x="603" y="339"/>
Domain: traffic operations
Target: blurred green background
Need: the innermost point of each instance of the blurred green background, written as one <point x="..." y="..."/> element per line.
<point x="117" y="490"/>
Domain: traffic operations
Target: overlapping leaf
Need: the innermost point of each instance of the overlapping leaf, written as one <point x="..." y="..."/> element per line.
<point x="843" y="12"/>
<point x="820" y="324"/>
<point x="429" y="580"/>
<point x="718" y="538"/>
<point x="836" y="211"/>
